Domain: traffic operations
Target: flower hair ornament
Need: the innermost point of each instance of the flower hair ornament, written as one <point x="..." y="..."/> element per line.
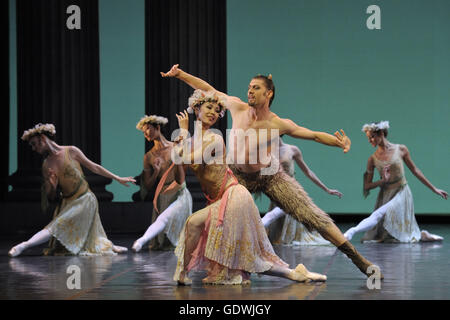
<point x="152" y="119"/>
<point x="40" y="128"/>
<point x="199" y="97"/>
<point x="375" y="126"/>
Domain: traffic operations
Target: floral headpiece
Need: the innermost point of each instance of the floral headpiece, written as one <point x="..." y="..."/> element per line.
<point x="375" y="126"/>
<point x="39" y="129"/>
<point x="155" y="120"/>
<point x="199" y="97"/>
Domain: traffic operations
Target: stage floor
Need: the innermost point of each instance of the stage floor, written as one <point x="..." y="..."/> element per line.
<point x="412" y="271"/>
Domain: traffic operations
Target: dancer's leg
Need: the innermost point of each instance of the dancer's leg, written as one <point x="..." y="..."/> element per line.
<point x="287" y="193"/>
<point x="368" y="223"/>
<point x="194" y="227"/>
<point x="39" y="238"/>
<point x="158" y="225"/>
<point x="272" y="215"/>
<point x="299" y="274"/>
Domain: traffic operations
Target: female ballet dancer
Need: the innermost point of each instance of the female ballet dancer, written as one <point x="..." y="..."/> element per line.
<point x="288" y="230"/>
<point x="393" y="219"/>
<point x="76" y="223"/>
<point x="227" y="238"/>
<point x="172" y="203"/>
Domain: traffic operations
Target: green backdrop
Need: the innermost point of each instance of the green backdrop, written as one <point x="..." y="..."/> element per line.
<point x="330" y="72"/>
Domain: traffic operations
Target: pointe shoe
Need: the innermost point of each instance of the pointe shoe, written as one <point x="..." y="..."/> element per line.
<point x="301" y="274"/>
<point x="428" y="237"/>
<point x="119" y="249"/>
<point x="17" y="250"/>
<point x="137" y="246"/>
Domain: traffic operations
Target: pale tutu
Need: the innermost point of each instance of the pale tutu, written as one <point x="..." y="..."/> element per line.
<point x="180" y="203"/>
<point x="79" y="229"/>
<point x="234" y="249"/>
<point x="399" y="223"/>
<point x="288" y="231"/>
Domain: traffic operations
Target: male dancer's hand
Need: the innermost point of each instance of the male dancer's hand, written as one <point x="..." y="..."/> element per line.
<point x="173" y="72"/>
<point x="126" y="180"/>
<point x="343" y="141"/>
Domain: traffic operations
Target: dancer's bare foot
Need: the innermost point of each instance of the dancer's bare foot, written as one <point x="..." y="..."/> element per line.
<point x="428" y="237"/>
<point x="17" y="250"/>
<point x="119" y="249"/>
<point x="301" y="274"/>
<point x="137" y="246"/>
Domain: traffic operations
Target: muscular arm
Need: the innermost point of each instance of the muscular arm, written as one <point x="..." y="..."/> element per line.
<point x="418" y="173"/>
<point x="79" y="156"/>
<point x="231" y="103"/>
<point x="298" y="157"/>
<point x="290" y="128"/>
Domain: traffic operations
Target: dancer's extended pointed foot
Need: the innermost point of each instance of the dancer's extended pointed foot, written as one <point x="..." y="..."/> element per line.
<point x="429" y="237"/>
<point x="301" y="274"/>
<point x="119" y="249"/>
<point x="17" y="250"/>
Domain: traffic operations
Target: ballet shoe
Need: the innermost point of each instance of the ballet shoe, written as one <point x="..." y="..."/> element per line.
<point x="428" y="237"/>
<point x="119" y="249"/>
<point x="301" y="274"/>
<point x="17" y="250"/>
<point x="137" y="246"/>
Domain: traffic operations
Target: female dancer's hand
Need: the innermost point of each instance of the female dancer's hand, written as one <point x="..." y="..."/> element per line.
<point x="126" y="180"/>
<point x="183" y="120"/>
<point x="173" y="72"/>
<point x="343" y="140"/>
<point x="442" y="193"/>
<point x="335" y="192"/>
<point x="157" y="164"/>
<point x="386" y="174"/>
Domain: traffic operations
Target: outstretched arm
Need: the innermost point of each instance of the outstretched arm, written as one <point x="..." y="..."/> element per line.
<point x="418" y="173"/>
<point x="290" y="128"/>
<point x="298" y="157"/>
<point x="79" y="156"/>
<point x="191" y="80"/>
<point x="232" y="103"/>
